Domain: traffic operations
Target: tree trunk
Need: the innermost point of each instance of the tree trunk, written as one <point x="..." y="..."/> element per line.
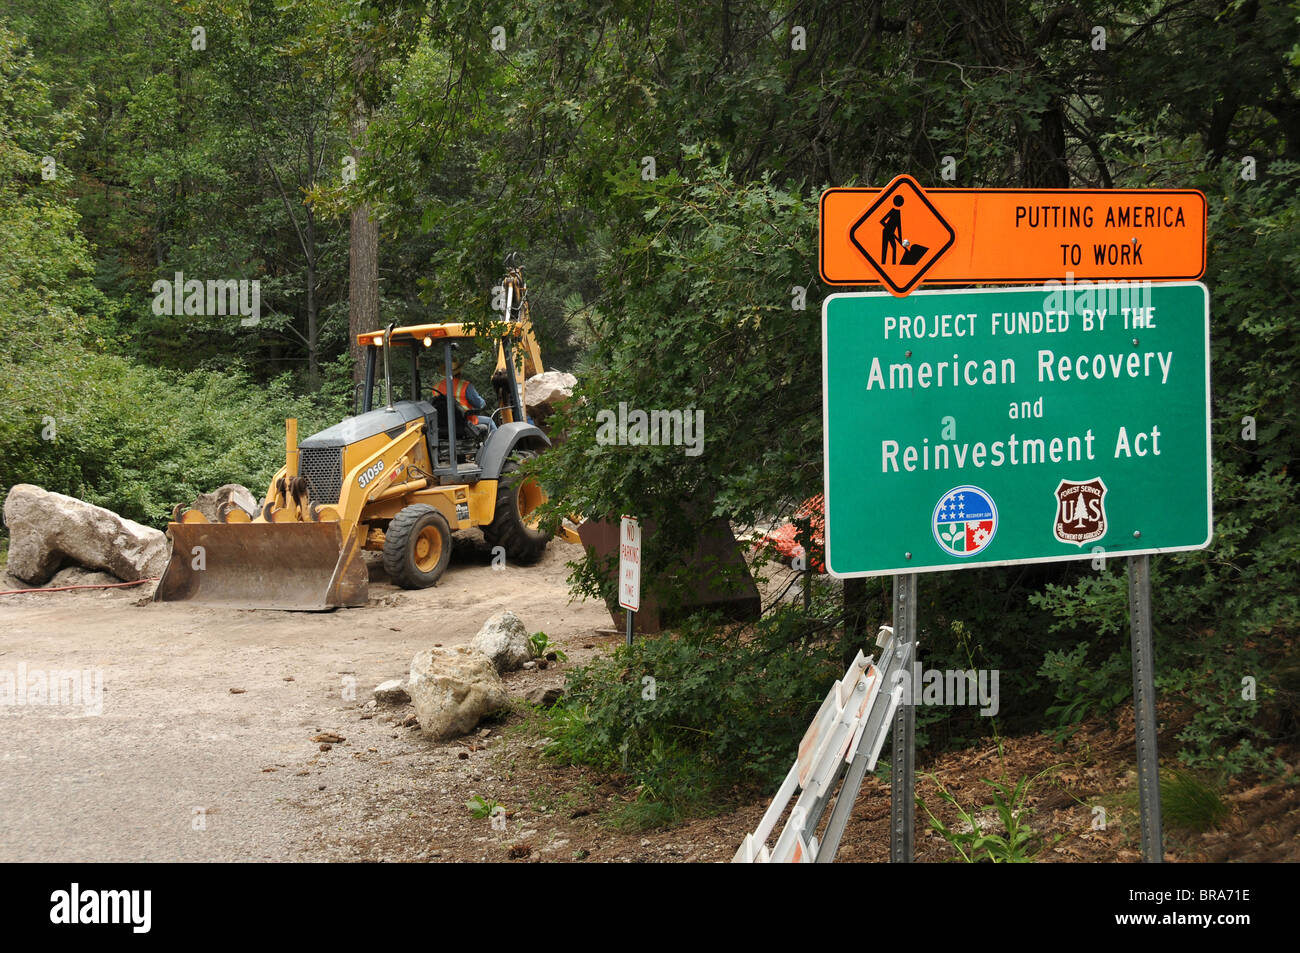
<point x="313" y="308"/>
<point x="1042" y="157"/>
<point x="363" y="261"/>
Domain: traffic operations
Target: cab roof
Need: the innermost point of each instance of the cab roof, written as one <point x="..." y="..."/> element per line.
<point x="413" y="333"/>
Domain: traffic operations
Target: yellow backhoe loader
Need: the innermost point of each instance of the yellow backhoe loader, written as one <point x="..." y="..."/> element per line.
<point x="398" y="477"/>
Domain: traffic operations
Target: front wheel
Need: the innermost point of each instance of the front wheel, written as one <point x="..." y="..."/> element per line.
<point x="514" y="525"/>
<point x="417" y="547"/>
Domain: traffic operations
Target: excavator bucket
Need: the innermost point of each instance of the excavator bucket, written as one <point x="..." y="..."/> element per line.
<point x="303" y="566"/>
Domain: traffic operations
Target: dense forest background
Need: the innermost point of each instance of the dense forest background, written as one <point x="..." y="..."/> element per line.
<point x="658" y="165"/>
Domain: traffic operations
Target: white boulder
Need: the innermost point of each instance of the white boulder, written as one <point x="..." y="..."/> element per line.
<point x="504" y="640"/>
<point x="546" y="392"/>
<point x="453" y="689"/>
<point x="47" y="530"/>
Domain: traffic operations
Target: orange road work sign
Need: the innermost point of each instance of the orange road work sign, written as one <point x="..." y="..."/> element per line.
<point x="901" y="234"/>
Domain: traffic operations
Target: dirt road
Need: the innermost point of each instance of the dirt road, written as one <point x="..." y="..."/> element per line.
<point x="203" y="750"/>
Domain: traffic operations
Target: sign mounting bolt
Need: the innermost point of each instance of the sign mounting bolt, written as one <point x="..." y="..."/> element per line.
<point x="1137" y="534"/>
<point x="907" y="555"/>
<point x="1135" y="342"/>
<point x="908" y="354"/>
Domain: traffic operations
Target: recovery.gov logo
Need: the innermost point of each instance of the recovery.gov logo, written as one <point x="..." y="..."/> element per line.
<point x="965" y="521"/>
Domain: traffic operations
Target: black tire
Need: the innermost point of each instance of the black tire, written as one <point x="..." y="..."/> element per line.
<point x="509" y="527"/>
<point x="417" y="547"/>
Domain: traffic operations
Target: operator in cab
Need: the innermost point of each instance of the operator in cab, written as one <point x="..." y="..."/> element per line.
<point x="465" y="394"/>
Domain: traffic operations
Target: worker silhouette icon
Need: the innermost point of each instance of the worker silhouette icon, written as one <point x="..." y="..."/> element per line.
<point x="902" y="226"/>
<point x="891" y="237"/>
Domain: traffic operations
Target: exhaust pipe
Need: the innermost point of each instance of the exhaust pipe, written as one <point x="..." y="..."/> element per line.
<point x="388" y="377"/>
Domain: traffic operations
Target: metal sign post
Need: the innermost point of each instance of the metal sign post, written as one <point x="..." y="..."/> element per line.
<point x="629" y="570"/>
<point x="902" y="768"/>
<point x="1144" y="707"/>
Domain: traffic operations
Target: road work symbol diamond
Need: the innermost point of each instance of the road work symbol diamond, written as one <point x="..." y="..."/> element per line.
<point x="901" y="234"/>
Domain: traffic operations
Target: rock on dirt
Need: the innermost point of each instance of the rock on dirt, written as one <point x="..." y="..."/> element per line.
<point x="48" y="529"/>
<point x="453" y="689"/>
<point x="392" y="692"/>
<point x="504" y="640"/>
<point x="546" y="697"/>
<point x="231" y="494"/>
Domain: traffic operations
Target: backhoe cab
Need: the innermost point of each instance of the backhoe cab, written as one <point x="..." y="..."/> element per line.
<point x="398" y="478"/>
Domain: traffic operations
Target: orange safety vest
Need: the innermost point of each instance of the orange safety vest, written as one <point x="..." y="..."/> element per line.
<point x="459" y="390"/>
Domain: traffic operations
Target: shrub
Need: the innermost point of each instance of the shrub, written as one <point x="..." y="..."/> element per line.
<point x="138" y="440"/>
<point x="700" y="716"/>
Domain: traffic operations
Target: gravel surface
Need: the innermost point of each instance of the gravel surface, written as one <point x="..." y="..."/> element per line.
<point x="204" y="749"/>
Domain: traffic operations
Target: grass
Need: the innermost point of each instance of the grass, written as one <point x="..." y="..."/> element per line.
<point x="1189" y="802"/>
<point x="642" y="815"/>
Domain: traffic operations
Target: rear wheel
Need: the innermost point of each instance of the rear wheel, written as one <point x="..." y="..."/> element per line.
<point x="417" y="547"/>
<point x="514" y="524"/>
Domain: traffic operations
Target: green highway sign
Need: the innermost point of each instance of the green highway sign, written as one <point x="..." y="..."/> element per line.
<point x="997" y="426"/>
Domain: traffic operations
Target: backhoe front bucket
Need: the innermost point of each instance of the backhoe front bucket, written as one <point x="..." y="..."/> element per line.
<point x="304" y="566"/>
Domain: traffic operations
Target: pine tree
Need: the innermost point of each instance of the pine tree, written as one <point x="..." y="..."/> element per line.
<point x="1080" y="512"/>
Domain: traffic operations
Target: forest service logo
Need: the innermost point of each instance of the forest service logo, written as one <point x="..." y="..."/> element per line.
<point x="1080" y="511"/>
<point x="965" y="521"/>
